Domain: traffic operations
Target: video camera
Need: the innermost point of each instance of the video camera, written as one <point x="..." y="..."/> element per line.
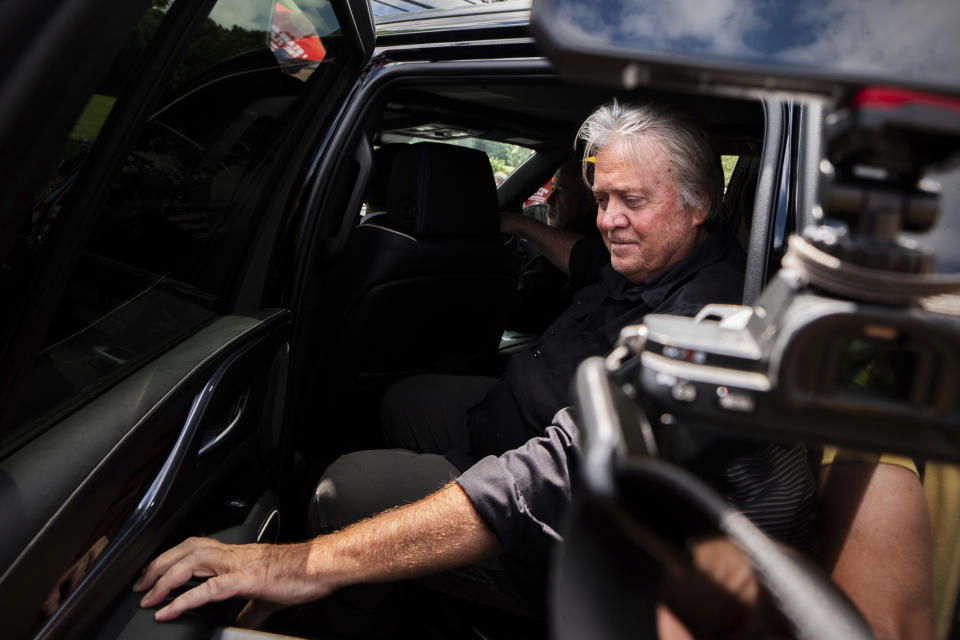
<point x="854" y="342"/>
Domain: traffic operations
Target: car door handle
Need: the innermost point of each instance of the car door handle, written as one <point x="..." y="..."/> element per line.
<point x="236" y="413"/>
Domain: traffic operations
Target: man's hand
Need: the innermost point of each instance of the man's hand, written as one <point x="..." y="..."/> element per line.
<point x="271" y="576"/>
<point x="440" y="532"/>
<point x="555" y="245"/>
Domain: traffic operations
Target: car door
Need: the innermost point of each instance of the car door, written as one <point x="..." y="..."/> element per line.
<point x="153" y="152"/>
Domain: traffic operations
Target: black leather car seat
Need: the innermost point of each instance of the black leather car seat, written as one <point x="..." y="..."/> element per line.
<point x="425" y="286"/>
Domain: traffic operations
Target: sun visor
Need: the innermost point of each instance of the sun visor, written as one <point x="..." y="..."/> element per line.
<point x="821" y="48"/>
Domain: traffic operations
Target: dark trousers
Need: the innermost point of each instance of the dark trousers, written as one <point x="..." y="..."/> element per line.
<point x="429" y="414"/>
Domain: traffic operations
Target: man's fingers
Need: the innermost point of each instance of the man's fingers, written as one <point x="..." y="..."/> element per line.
<point x="213" y="590"/>
<point x="249" y="571"/>
<point x="175" y="576"/>
<point x="165" y="560"/>
<point x="191" y="566"/>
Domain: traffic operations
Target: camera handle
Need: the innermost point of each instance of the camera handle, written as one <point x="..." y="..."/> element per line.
<point x="618" y="460"/>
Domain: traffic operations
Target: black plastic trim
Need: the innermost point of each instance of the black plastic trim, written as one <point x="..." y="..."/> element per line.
<point x="764" y="207"/>
<point x="50" y="510"/>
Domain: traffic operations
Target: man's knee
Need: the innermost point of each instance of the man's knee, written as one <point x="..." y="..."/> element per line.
<point x="364" y="483"/>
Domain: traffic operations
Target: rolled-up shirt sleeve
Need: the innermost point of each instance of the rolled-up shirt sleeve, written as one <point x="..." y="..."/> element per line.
<point x="523" y="494"/>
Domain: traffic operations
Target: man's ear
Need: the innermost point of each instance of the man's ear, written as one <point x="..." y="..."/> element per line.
<point x="701" y="213"/>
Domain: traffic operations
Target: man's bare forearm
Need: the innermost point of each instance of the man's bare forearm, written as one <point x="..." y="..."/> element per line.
<point x="440" y="532"/>
<point x="555" y="245"/>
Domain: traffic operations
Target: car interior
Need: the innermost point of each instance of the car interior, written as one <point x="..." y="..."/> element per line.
<point x="446" y="313"/>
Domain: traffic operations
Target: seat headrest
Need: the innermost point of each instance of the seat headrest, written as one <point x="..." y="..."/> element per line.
<point x="442" y="190"/>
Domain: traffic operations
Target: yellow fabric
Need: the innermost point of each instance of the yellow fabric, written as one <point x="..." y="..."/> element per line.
<point x="941" y="487"/>
<point x="833" y="454"/>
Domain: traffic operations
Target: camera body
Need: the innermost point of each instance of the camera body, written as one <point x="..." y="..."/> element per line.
<point x="800" y="365"/>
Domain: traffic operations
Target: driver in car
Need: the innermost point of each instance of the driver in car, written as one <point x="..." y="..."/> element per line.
<point x="498" y="519"/>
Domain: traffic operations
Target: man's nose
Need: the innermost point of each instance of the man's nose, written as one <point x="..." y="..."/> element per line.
<point x="612" y="217"/>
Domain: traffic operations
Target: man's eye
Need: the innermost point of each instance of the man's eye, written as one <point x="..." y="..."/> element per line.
<point x="634" y="203"/>
<point x="601" y="202"/>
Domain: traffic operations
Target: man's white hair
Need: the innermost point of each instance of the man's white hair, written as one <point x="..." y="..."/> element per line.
<point x="686" y="144"/>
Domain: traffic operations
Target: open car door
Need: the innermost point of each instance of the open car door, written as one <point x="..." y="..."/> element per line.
<point x="153" y="152"/>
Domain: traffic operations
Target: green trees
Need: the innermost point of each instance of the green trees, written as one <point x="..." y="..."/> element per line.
<point x="503" y="157"/>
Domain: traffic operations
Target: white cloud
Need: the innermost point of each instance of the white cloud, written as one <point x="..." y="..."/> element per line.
<point x="886" y="38"/>
<point x="721" y="25"/>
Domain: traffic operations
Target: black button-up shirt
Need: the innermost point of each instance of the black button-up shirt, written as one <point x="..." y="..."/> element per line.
<point x="537" y="382"/>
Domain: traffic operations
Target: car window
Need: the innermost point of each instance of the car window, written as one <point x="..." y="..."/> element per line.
<point x="504" y="158"/>
<point x="173" y="229"/>
<point x="729" y="163"/>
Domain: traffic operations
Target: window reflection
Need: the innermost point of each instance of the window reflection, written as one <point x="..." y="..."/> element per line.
<point x="879" y="38"/>
<point x="178" y="216"/>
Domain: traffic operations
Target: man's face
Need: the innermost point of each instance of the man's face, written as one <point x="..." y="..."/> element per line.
<point x="569" y="199"/>
<point x="637" y="212"/>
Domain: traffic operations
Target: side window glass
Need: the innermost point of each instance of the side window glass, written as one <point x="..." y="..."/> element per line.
<point x="729" y="163"/>
<point x="504" y="158"/>
<point x="172" y="232"/>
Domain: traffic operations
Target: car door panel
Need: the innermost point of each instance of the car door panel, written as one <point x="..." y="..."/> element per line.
<point x="127" y="621"/>
<point x="132" y="623"/>
<point x="133" y="484"/>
